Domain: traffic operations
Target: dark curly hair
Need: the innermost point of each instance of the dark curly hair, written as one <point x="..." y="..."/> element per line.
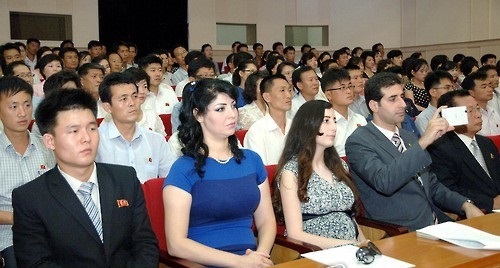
<point x="190" y="134"/>
<point x="301" y="143"/>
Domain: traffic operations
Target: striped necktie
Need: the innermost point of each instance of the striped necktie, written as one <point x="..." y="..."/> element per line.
<point x="85" y="190"/>
<point x="397" y="142"/>
<point x="476" y="151"/>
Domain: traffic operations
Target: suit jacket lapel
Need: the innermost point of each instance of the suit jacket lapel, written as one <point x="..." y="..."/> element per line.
<point x="383" y="141"/>
<point x="106" y="194"/>
<point x="62" y="192"/>
<point x="469" y="159"/>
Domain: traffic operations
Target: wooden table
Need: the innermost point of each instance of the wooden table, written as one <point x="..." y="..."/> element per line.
<point x="429" y="253"/>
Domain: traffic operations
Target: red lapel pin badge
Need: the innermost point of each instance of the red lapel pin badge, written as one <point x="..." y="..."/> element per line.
<point x="122" y="203"/>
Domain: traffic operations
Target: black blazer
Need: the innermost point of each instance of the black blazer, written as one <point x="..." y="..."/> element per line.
<point x="52" y="228"/>
<point x="456" y="167"/>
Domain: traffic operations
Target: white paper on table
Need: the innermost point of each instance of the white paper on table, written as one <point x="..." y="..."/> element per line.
<point x="346" y="256"/>
<point x="496" y="210"/>
<point x="461" y="235"/>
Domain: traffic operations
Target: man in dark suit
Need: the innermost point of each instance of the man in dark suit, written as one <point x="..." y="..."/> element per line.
<point x="458" y="157"/>
<point x="51" y="224"/>
<point x="391" y="167"/>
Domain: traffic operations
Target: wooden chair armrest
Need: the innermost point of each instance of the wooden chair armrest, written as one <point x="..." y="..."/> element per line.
<point x="294" y="244"/>
<point x="175" y="262"/>
<point x="389" y="228"/>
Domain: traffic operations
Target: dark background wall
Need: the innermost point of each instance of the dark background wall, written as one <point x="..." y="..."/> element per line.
<point x="151" y="24"/>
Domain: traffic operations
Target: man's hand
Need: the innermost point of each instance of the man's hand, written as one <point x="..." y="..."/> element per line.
<point x="471" y="210"/>
<point x="496" y="202"/>
<point x="436" y="127"/>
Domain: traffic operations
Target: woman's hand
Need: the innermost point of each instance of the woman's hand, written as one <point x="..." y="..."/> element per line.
<point x="255" y="259"/>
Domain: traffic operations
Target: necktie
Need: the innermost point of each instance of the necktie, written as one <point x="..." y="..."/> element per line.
<point x="85" y="190"/>
<point x="397" y="142"/>
<point x="479" y="156"/>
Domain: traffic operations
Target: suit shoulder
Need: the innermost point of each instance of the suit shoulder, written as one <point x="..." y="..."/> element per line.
<point x="359" y="133"/>
<point x="487" y="141"/>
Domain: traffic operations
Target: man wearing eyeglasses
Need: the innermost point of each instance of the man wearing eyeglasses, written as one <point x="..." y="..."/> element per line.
<point x="436" y="84"/>
<point x="336" y="83"/>
<point x="465" y="162"/>
<point x="479" y="87"/>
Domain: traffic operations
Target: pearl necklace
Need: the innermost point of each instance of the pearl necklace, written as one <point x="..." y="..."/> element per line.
<point x="220" y="161"/>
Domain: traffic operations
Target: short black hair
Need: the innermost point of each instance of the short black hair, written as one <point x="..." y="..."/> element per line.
<point x="11" y="85"/>
<point x="324" y="65"/>
<point x="198" y="63"/>
<point x="458" y="57"/>
<point x="469" y="83"/>
<point x="375" y="47"/>
<point x="147" y="60"/>
<point x="42" y="62"/>
<point x="57" y="80"/>
<point x="113" y="79"/>
<point x="191" y="55"/>
<point x="296" y="76"/>
<point x="9" y="69"/>
<point x="486" y="68"/>
<point x="84" y="69"/>
<point x="331" y="76"/>
<point x="438" y="60"/>
<point x="304" y="47"/>
<point x="240" y="46"/>
<point x="486" y="57"/>
<point x="272" y="61"/>
<point x="276" y="45"/>
<point x="137" y="75"/>
<point x="250" y="90"/>
<point x="374" y="86"/>
<point x="256" y="45"/>
<point x="32" y="39"/>
<point x="42" y="51"/>
<point x="468" y="64"/>
<point x="448" y="98"/>
<point x="449" y="65"/>
<point x="60" y="101"/>
<point x="67" y="41"/>
<point x="94" y="43"/>
<point x="65" y="50"/>
<point x="433" y="79"/>
<point x="288" y="48"/>
<point x="394" y="53"/>
<point x="336" y="54"/>
<point x="267" y="82"/>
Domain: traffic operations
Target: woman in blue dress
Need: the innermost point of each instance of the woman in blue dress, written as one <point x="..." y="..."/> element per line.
<point x="215" y="190"/>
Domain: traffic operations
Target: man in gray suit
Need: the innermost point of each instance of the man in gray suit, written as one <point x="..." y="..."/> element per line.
<point x="391" y="167"/>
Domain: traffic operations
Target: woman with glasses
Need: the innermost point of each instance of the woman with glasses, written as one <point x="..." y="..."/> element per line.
<point x="243" y="70"/>
<point x="314" y="194"/>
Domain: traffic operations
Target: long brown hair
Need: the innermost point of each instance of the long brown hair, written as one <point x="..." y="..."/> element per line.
<point x="301" y="143"/>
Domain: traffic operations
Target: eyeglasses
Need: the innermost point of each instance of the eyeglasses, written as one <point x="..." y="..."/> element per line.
<point x="366" y="254"/>
<point x="344" y="88"/>
<point x="447" y="87"/>
<point x="25" y="75"/>
<point x="201" y="76"/>
<point x="249" y="70"/>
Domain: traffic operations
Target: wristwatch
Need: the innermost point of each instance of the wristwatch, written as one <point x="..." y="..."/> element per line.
<point x="470" y="201"/>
